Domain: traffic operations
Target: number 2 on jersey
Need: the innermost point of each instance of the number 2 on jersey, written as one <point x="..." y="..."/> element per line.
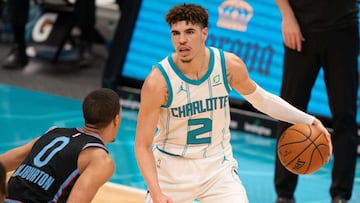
<point x="193" y="135"/>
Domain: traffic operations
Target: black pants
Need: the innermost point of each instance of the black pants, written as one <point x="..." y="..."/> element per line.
<point x="84" y="16"/>
<point x="337" y="53"/>
<point x="120" y="43"/>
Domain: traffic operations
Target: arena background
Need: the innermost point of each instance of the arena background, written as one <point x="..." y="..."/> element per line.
<point x="46" y="93"/>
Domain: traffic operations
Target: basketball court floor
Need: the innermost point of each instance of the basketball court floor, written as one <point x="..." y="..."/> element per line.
<point x="25" y="114"/>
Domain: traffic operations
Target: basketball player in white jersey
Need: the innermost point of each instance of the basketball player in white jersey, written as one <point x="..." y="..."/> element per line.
<point x="185" y="102"/>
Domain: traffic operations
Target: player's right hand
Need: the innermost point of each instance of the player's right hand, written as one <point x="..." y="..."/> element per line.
<point x="161" y="198"/>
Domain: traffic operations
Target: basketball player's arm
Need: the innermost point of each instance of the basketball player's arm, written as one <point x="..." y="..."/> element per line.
<point x="13" y="158"/>
<point x="153" y="95"/>
<point x="262" y="100"/>
<point x="95" y="167"/>
<point x="290" y="27"/>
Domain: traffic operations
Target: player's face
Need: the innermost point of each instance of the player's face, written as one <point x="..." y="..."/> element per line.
<point x="188" y="39"/>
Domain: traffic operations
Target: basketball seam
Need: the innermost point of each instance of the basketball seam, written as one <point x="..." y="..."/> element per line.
<point x="306" y="138"/>
<point x="312" y="143"/>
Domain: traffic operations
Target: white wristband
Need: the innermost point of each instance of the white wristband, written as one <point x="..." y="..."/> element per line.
<point x="276" y="107"/>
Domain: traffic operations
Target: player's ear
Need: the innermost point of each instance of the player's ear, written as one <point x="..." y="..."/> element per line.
<point x="205" y="33"/>
<point x="117" y="120"/>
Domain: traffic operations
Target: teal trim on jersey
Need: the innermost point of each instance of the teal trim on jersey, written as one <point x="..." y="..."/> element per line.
<point x="165" y="152"/>
<point x="186" y="79"/>
<point x="188" y="98"/>
<point x="223" y="67"/>
<point x="167" y="127"/>
<point x="211" y="118"/>
<point x="167" y="80"/>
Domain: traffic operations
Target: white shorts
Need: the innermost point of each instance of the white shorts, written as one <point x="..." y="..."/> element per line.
<point x="208" y="180"/>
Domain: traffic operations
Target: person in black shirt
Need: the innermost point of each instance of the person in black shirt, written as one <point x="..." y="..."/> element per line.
<point x="67" y="164"/>
<point x="322" y="34"/>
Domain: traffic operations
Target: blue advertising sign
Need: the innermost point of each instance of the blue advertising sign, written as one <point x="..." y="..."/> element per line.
<point x="249" y="28"/>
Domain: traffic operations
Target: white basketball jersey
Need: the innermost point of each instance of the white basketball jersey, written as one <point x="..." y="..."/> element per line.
<point x="195" y="121"/>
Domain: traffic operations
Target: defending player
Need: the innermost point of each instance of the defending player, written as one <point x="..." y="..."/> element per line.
<point x="67" y="164"/>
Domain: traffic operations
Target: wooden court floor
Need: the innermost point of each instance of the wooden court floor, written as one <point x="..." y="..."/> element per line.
<point x="115" y="193"/>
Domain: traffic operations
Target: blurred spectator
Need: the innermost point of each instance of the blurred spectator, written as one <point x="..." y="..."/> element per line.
<point x="120" y="43"/>
<point x="84" y="17"/>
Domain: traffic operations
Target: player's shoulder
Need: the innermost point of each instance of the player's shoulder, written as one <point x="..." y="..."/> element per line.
<point x="231" y="56"/>
<point x="155" y="81"/>
<point x="104" y="159"/>
<point x="233" y="60"/>
<point x="93" y="157"/>
<point x="97" y="154"/>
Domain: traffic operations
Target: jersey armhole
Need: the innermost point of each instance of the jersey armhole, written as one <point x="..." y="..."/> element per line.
<point x="98" y="145"/>
<point x="168" y="84"/>
<point x="223" y="68"/>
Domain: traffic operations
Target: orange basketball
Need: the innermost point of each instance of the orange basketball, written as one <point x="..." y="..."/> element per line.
<point x="303" y="149"/>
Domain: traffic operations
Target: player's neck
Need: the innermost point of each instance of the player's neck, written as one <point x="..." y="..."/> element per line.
<point x="196" y="68"/>
<point x="90" y="129"/>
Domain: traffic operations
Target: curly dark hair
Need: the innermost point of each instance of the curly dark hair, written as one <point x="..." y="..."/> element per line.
<point x="191" y="13"/>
